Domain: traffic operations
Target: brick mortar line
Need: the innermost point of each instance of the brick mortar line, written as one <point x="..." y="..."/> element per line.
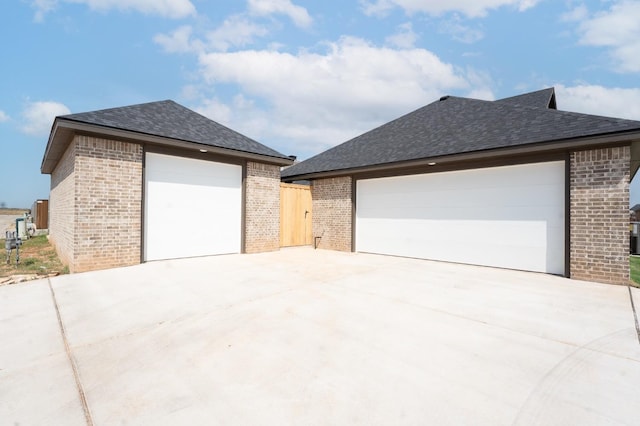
<point x="74" y="367"/>
<point x="635" y="314"/>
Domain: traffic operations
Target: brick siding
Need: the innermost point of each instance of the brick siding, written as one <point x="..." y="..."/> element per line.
<point x="332" y="213"/>
<point x="262" y="208"/>
<point x="96" y="209"/>
<point x="62" y="206"/>
<point x="599" y="188"/>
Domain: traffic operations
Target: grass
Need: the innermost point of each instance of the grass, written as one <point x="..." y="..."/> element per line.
<point x="37" y="256"/>
<point x="634" y="265"/>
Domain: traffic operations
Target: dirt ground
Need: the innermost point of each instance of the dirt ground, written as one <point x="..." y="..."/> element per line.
<point x="38" y="259"/>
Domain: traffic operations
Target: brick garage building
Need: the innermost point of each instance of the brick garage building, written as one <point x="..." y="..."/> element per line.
<point x="513" y="183"/>
<point x="157" y="181"/>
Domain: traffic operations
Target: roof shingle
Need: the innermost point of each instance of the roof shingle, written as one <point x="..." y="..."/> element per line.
<point x="171" y="120"/>
<point x="456" y="125"/>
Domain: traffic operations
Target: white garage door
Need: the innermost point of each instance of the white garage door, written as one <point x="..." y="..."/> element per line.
<point x="509" y="217"/>
<point x="192" y="207"/>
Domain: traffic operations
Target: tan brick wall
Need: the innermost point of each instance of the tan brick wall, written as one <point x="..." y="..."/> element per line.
<point x="62" y="206"/>
<point x="599" y="188"/>
<point x="332" y="211"/>
<point x="108" y="203"/>
<point x="262" y="208"/>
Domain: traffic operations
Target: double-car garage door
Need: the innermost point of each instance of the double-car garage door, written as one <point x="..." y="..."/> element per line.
<point x="510" y="217"/>
<point x="192" y="207"/>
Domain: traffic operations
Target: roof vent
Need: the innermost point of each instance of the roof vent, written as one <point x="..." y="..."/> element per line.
<point x="444" y="98"/>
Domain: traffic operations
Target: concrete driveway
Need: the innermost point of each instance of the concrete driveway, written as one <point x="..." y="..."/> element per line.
<point x="316" y="337"/>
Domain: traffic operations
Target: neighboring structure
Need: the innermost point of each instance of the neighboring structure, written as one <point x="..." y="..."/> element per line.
<point x="40" y="214"/>
<point x="634" y="213"/>
<point x="157" y="181"/>
<point x="512" y="183"/>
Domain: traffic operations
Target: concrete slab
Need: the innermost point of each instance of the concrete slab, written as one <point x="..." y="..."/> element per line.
<point x="304" y="336"/>
<point x="36" y="379"/>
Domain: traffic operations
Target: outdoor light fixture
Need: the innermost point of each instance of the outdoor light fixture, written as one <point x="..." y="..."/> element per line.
<point x="203" y="150"/>
<point x="431" y="164"/>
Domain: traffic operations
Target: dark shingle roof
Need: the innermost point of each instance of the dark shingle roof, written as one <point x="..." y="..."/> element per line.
<point x="458" y="125"/>
<point x="545" y="98"/>
<point x="171" y="120"/>
<point x="635" y="208"/>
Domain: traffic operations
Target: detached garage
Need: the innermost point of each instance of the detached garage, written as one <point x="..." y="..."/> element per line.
<point x="157" y="181"/>
<point x="512" y="183"/>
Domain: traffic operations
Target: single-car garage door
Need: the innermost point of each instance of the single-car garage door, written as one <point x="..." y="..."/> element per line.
<point x="508" y="217"/>
<point x="192" y="207"/>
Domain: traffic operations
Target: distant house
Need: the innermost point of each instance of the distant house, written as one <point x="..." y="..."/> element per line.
<point x="157" y="181"/>
<point x="513" y="183"/>
<point x="635" y="213"/>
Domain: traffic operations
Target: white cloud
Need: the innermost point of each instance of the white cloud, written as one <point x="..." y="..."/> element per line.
<point x="297" y="14"/>
<point x="482" y="93"/>
<point x="167" y="8"/>
<point x="405" y="38"/>
<point x="470" y="8"/>
<point x="179" y="41"/>
<point x="619" y="30"/>
<point x="235" y="31"/>
<point x="215" y="110"/>
<point x="38" y="117"/>
<point x="459" y="31"/>
<point x="3" y="116"/>
<point x="600" y="100"/>
<point x="312" y="101"/>
<point x="42" y="7"/>
<point x="577" y="14"/>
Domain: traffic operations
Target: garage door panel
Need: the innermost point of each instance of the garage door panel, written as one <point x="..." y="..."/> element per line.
<point x="463" y="213"/>
<point x="192" y="207"/>
<point x="464" y="180"/>
<point x="187" y="171"/>
<point x="452" y="201"/>
<point x="518" y="225"/>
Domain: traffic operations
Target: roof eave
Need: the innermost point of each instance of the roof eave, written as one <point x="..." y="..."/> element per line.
<point x="534" y="148"/>
<point x="63" y="131"/>
<point x="57" y="144"/>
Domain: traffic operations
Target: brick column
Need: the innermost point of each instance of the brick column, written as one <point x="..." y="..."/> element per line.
<point x="332" y="212"/>
<point x="108" y="203"/>
<point x="599" y="188"/>
<point x="262" y="208"/>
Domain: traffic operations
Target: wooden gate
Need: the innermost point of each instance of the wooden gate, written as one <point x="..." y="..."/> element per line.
<point x="295" y="215"/>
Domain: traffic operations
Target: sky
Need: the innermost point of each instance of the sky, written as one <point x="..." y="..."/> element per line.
<point x="300" y="76"/>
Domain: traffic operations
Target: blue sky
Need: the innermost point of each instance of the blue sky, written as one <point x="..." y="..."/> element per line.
<point x="300" y="76"/>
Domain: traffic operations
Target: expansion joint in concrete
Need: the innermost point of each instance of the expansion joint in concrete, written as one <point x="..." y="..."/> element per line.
<point x="72" y="361"/>
<point x="635" y="314"/>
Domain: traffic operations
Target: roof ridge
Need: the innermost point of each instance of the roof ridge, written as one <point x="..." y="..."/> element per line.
<point x="543" y="98"/>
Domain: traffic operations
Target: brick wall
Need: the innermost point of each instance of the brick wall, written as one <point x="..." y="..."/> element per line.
<point x="62" y="206"/>
<point x="599" y="188"/>
<point x="108" y="203"/>
<point x="332" y="212"/>
<point x="262" y="208"/>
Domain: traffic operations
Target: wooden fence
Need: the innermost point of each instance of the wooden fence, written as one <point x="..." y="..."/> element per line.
<point x="40" y="214"/>
<point x="295" y="215"/>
